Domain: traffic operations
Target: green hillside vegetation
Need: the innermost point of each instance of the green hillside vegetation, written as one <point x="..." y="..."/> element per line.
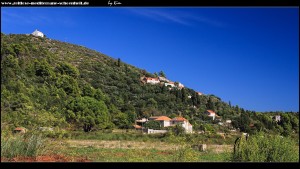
<point x="46" y="82"/>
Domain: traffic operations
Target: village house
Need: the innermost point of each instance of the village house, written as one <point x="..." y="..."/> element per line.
<point x="163" y="79"/>
<point x="140" y="123"/>
<point x="163" y="120"/>
<point x="152" y="80"/>
<point x="228" y="121"/>
<point x="199" y="93"/>
<point x="277" y="118"/>
<point x="170" y="84"/>
<point x="210" y="113"/>
<point x="180" y="85"/>
<point x="37" y="33"/>
<point x="184" y="123"/>
<point x="20" y="130"/>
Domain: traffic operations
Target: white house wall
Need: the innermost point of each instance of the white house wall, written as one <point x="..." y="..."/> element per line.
<point x="166" y="123"/>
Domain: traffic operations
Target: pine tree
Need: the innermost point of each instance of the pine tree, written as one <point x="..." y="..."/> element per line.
<point x="184" y="95"/>
<point x="162" y="74"/>
<point x="210" y="104"/>
<point x="119" y="62"/>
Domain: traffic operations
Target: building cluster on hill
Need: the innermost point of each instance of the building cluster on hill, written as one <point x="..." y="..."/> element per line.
<point x="165" y="121"/>
<point x="163" y="81"/>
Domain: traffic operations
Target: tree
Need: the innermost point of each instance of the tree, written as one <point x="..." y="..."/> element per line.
<point x="88" y="90"/>
<point x="131" y="116"/>
<point x="153" y="125"/>
<point x="119" y="62"/>
<point x="87" y="112"/>
<point x="162" y="74"/>
<point x="178" y="129"/>
<point x="67" y="69"/>
<point x="244" y="122"/>
<point x="43" y="69"/>
<point x="121" y="120"/>
<point x="69" y="84"/>
<point x="210" y="104"/>
<point x="195" y="99"/>
<point x="152" y="103"/>
<point x="184" y="95"/>
<point x="286" y="124"/>
<point x="99" y="95"/>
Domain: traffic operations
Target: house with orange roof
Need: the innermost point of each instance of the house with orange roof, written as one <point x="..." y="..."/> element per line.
<point x="184" y="123"/>
<point x="210" y="113"/>
<point x="140" y="123"/>
<point x="199" y="93"/>
<point x="164" y="121"/>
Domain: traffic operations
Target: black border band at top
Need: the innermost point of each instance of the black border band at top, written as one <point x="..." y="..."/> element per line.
<point x="148" y="3"/>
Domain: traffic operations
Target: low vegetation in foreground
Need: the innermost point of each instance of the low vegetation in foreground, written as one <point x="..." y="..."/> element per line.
<point x="260" y="147"/>
<point x="266" y="148"/>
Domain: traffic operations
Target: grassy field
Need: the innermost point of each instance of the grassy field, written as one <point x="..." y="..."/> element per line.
<point x="120" y="146"/>
<point x="133" y="151"/>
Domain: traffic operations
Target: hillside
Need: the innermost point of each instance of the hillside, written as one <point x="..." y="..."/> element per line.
<point x="45" y="82"/>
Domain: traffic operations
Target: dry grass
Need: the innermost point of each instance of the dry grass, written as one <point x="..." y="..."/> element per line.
<point x="121" y="144"/>
<point x="140" y="145"/>
<point x="219" y="148"/>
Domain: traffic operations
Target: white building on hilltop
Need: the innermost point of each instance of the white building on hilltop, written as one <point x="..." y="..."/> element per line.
<point x="37" y="33"/>
<point x="180" y="85"/>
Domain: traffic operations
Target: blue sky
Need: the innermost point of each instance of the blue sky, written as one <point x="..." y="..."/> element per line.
<point x="249" y="56"/>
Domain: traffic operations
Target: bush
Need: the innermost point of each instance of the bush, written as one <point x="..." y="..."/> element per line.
<point x="61" y="134"/>
<point x="266" y="148"/>
<point x="21" y="146"/>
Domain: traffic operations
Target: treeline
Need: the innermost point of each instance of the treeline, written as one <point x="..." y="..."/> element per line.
<point x="45" y="82"/>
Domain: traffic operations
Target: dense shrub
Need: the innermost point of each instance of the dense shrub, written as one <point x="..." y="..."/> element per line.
<point x="266" y="148"/>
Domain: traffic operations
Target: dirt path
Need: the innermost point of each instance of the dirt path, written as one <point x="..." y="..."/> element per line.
<point x="138" y="145"/>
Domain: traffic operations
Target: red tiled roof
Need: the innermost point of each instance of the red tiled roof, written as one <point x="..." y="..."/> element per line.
<point x="210" y="111"/>
<point x="150" y="78"/>
<point x="137" y="126"/>
<point x="19" y="128"/>
<point x="163" y="118"/>
<point x="179" y="119"/>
